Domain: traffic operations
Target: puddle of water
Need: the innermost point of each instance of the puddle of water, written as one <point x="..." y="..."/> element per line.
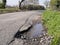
<point x="32" y="32"/>
<point x="36" y="31"/>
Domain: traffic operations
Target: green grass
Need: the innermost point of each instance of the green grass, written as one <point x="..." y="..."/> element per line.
<point x="51" y="20"/>
<point x="8" y="10"/>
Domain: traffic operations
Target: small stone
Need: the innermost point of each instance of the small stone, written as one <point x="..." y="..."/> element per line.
<point x="44" y="34"/>
<point x="22" y="37"/>
<point x="41" y="41"/>
<point x="52" y="37"/>
<point x="46" y="38"/>
<point x="35" y="39"/>
<point x="49" y="38"/>
<point x="40" y="36"/>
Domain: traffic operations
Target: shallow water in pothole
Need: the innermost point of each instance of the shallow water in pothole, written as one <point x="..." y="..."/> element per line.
<point x="35" y="31"/>
<point x="32" y="35"/>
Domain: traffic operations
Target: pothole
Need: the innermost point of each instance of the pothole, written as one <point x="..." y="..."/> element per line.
<point x="33" y="35"/>
<point x="19" y="34"/>
<point x="31" y="32"/>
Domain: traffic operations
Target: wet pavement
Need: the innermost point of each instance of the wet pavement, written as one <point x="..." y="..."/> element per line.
<point x="36" y="30"/>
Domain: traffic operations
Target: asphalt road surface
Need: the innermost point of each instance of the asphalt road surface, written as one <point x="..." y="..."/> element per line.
<point x="10" y="23"/>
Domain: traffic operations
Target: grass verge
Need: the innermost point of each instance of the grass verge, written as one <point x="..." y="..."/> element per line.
<point x="8" y="10"/>
<point x="51" y="20"/>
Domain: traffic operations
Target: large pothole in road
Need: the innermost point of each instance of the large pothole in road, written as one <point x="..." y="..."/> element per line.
<point x="34" y="35"/>
<point x="31" y="32"/>
<point x="31" y="35"/>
